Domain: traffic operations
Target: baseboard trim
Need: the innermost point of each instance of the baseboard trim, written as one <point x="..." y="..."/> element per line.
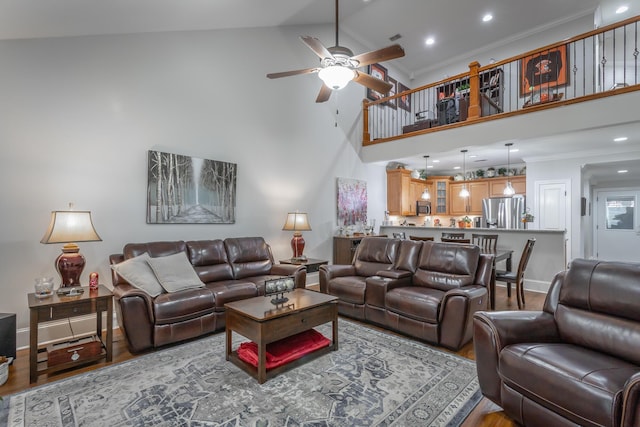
<point x="532" y="285"/>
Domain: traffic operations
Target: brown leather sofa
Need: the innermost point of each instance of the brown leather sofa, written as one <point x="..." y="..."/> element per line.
<point x="576" y="362"/>
<point x="424" y="289"/>
<point x="231" y="269"/>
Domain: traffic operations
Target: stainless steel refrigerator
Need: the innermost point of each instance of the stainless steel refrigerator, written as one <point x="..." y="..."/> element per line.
<point x="503" y="212"/>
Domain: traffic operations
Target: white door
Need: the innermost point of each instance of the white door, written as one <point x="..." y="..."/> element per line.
<point x="617" y="235"/>
<point x="553" y="209"/>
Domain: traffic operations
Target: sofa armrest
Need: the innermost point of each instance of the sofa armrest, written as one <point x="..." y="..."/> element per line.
<point x="134" y="309"/>
<point x="328" y="272"/>
<point x="631" y="402"/>
<point x="298" y="272"/>
<point x="394" y="274"/>
<point x="492" y="331"/>
<point x="456" y="314"/>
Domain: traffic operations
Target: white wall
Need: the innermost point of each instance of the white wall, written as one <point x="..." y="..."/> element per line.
<point x="77" y="116"/>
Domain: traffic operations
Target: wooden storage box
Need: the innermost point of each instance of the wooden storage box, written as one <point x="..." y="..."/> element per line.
<point x="73" y="351"/>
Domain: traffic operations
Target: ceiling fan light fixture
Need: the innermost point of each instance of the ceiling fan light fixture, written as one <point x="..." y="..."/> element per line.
<point x="336" y="77"/>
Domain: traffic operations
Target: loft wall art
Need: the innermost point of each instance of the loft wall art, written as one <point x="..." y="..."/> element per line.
<point x="189" y="190"/>
<point x="352" y="201"/>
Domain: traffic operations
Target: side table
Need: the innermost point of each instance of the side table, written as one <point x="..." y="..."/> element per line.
<point x="313" y="265"/>
<point x="58" y="307"/>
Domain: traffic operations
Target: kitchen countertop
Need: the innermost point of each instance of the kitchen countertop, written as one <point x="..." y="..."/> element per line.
<point x="472" y="229"/>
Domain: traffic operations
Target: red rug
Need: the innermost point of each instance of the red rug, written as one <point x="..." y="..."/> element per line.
<point x="285" y="350"/>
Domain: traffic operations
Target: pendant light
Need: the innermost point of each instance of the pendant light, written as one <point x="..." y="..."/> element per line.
<point x="425" y="193"/>
<point x="508" y="189"/>
<point x="464" y="192"/>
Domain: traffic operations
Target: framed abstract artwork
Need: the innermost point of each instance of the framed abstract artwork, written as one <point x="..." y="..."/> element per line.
<point x="189" y="190"/>
<point x="352" y="201"/>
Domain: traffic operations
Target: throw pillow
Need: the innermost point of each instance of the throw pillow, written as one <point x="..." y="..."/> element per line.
<point x="175" y="272"/>
<point x="139" y="274"/>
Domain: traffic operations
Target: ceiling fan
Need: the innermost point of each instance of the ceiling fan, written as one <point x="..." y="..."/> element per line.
<point x="338" y="66"/>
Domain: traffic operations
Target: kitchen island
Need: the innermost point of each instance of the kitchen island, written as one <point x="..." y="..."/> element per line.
<point x="548" y="256"/>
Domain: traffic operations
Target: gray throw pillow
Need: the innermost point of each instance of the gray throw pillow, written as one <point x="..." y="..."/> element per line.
<point x="139" y="274"/>
<point x="175" y="272"/>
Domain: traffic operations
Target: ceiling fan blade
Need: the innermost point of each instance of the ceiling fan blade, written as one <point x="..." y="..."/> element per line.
<point x="372" y="82"/>
<point x="380" y="55"/>
<point x="293" y="73"/>
<point x="317" y="47"/>
<point x="325" y="93"/>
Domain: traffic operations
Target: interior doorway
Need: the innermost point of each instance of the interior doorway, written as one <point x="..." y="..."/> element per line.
<point x="617" y="225"/>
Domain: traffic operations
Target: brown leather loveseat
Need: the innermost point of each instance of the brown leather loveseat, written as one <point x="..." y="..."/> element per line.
<point x="576" y="362"/>
<point x="424" y="289"/>
<point x="228" y="270"/>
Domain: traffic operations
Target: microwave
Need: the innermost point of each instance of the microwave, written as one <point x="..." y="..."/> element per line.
<point x="423" y="207"/>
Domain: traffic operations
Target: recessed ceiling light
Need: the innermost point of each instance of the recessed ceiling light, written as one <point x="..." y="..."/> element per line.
<point x="622" y="9"/>
<point x="430" y="41"/>
<point x="623" y="171"/>
<point x="514" y="150"/>
<point x="473" y="156"/>
<point x="436" y="161"/>
<point x="488" y="17"/>
<point x="430" y="167"/>
<point x="456" y="168"/>
<point x="620" y="139"/>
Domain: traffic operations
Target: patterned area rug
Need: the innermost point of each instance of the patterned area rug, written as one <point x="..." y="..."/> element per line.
<point x="374" y="379"/>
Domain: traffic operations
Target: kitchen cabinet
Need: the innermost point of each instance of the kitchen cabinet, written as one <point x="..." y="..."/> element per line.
<point x="471" y="205"/>
<point x="496" y="185"/>
<point x="439" y="191"/>
<point x="403" y="192"/>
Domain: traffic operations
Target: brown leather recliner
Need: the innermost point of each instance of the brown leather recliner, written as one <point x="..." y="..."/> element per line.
<point x="349" y="281"/>
<point x="424" y="289"/>
<point x="233" y="269"/>
<point x="576" y="362"/>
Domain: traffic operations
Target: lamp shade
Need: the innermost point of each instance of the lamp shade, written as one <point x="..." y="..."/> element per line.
<point x="336" y="76"/>
<point x="69" y="227"/>
<point x="297" y="221"/>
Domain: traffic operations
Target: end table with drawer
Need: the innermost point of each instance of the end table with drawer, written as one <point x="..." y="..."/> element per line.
<point x="58" y="307"/>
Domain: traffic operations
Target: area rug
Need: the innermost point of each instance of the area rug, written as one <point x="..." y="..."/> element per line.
<point x="374" y="379"/>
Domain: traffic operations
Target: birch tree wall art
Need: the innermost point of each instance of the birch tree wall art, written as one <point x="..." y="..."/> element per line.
<point x="189" y="190"/>
<point x="352" y="201"/>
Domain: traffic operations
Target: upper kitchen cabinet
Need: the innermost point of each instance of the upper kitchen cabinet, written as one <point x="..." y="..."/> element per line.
<point x="471" y="205"/>
<point x="496" y="185"/>
<point x="403" y="192"/>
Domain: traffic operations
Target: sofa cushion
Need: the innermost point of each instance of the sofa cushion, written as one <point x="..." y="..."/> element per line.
<point x="446" y="266"/>
<point x="175" y="272"/>
<point x="415" y="302"/>
<point x="209" y="259"/>
<point x="249" y="256"/>
<point x="139" y="274"/>
<point x="154" y="249"/>
<point x="375" y="254"/>
<point x="180" y="306"/>
<point x="231" y="290"/>
<point x="598" y="307"/>
<point x="569" y="379"/>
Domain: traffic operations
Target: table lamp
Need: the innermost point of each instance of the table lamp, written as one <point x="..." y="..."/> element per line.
<point x="69" y="227"/>
<point x="297" y="222"/>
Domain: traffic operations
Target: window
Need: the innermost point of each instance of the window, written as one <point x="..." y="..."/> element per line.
<point x="620" y="212"/>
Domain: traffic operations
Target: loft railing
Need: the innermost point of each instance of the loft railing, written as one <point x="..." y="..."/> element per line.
<point x="600" y="63"/>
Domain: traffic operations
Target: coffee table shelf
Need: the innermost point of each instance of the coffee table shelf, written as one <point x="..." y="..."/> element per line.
<point x="262" y="322"/>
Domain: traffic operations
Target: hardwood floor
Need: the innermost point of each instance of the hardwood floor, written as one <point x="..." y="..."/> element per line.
<point x="486" y="414"/>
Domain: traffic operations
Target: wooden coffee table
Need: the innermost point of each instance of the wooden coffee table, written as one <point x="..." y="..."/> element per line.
<point x="262" y="322"/>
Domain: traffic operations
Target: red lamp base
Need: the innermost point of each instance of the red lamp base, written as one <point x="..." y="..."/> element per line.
<point x="297" y="244"/>
<point x="69" y="265"/>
